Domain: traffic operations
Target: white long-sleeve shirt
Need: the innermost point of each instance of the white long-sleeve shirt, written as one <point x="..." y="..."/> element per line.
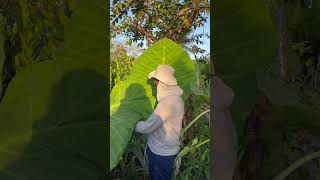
<point x="164" y="124"/>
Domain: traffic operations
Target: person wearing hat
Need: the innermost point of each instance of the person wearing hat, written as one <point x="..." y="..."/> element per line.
<point x="224" y="145"/>
<point x="164" y="124"/>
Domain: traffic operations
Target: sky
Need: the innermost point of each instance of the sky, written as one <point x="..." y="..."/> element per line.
<point x="204" y="29"/>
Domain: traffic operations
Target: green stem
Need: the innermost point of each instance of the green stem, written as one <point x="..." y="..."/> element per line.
<point x="200" y="144"/>
<point x="296" y="164"/>
<point x="195" y="147"/>
<point x="192" y="122"/>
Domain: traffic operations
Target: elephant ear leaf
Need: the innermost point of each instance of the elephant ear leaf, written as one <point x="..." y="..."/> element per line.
<point x="244" y="41"/>
<point x="1" y="59"/>
<point x="133" y="99"/>
<point x="53" y="114"/>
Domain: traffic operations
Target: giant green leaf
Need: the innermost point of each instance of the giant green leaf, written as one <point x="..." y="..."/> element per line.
<point x="133" y="99"/>
<point x="1" y="60"/>
<point x="291" y="108"/>
<point x="53" y="115"/>
<point x="244" y="41"/>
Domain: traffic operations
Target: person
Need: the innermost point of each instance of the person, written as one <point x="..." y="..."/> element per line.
<point x="223" y="132"/>
<point x="164" y="124"/>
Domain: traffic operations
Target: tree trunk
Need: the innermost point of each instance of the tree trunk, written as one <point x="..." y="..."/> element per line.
<point x="149" y="42"/>
<point x="188" y="115"/>
<point x="252" y="162"/>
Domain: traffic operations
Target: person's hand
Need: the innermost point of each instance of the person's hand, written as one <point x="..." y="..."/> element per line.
<point x="136" y="125"/>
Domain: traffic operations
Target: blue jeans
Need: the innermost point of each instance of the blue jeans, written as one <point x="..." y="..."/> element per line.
<point x="160" y="167"/>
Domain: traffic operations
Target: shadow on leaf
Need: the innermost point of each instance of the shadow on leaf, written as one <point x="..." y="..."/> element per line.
<point x="70" y="141"/>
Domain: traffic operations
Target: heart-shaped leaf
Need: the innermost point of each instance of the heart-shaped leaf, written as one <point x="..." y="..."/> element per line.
<point x="53" y="115"/>
<point x="133" y="99"/>
<point x="244" y="43"/>
<point x="244" y="40"/>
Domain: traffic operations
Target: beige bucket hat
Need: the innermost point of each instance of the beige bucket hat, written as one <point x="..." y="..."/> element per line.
<point x="165" y="74"/>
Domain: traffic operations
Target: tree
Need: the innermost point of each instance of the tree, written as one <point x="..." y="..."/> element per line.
<point x="31" y="31"/>
<point x="120" y="64"/>
<point x="152" y="20"/>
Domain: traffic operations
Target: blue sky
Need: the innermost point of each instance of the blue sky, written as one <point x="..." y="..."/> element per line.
<point x="204" y="29"/>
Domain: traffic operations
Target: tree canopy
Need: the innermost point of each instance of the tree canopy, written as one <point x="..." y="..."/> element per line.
<point x="148" y="21"/>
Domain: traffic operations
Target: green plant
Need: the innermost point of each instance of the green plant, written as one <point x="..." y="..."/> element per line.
<point x="192" y="122"/>
<point x="53" y="113"/>
<point x="246" y="59"/>
<point x="2" y="57"/>
<point x="32" y="30"/>
<point x="133" y="164"/>
<point x="38" y="30"/>
<point x="133" y="99"/>
<point x="282" y="175"/>
<point x="201" y="85"/>
<point x="196" y="164"/>
<point x="245" y="43"/>
<point x="120" y="65"/>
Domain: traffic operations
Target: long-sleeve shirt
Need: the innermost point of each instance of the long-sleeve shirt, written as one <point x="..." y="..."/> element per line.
<point x="223" y="132"/>
<point x="164" y="124"/>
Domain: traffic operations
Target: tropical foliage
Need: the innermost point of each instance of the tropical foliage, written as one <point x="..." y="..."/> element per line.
<point x="133" y="99"/>
<point x="53" y="112"/>
<point x="271" y="58"/>
<point x="2" y="57"/>
<point x="145" y="23"/>
<point x="31" y="31"/>
<point x="120" y="64"/>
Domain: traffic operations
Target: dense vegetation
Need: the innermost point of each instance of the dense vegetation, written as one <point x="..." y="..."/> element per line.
<point x="144" y="23"/>
<point x="271" y="58"/>
<point x="31" y="31"/>
<point x="133" y="98"/>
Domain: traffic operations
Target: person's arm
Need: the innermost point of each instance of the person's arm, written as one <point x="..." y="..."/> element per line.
<point x="155" y="120"/>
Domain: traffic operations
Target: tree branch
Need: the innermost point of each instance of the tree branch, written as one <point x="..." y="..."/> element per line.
<point x="117" y="30"/>
<point x="121" y="13"/>
<point x="195" y="11"/>
<point x="149" y="36"/>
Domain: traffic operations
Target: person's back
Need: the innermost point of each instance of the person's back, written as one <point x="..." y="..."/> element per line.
<point x="164" y="125"/>
<point x="165" y="140"/>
